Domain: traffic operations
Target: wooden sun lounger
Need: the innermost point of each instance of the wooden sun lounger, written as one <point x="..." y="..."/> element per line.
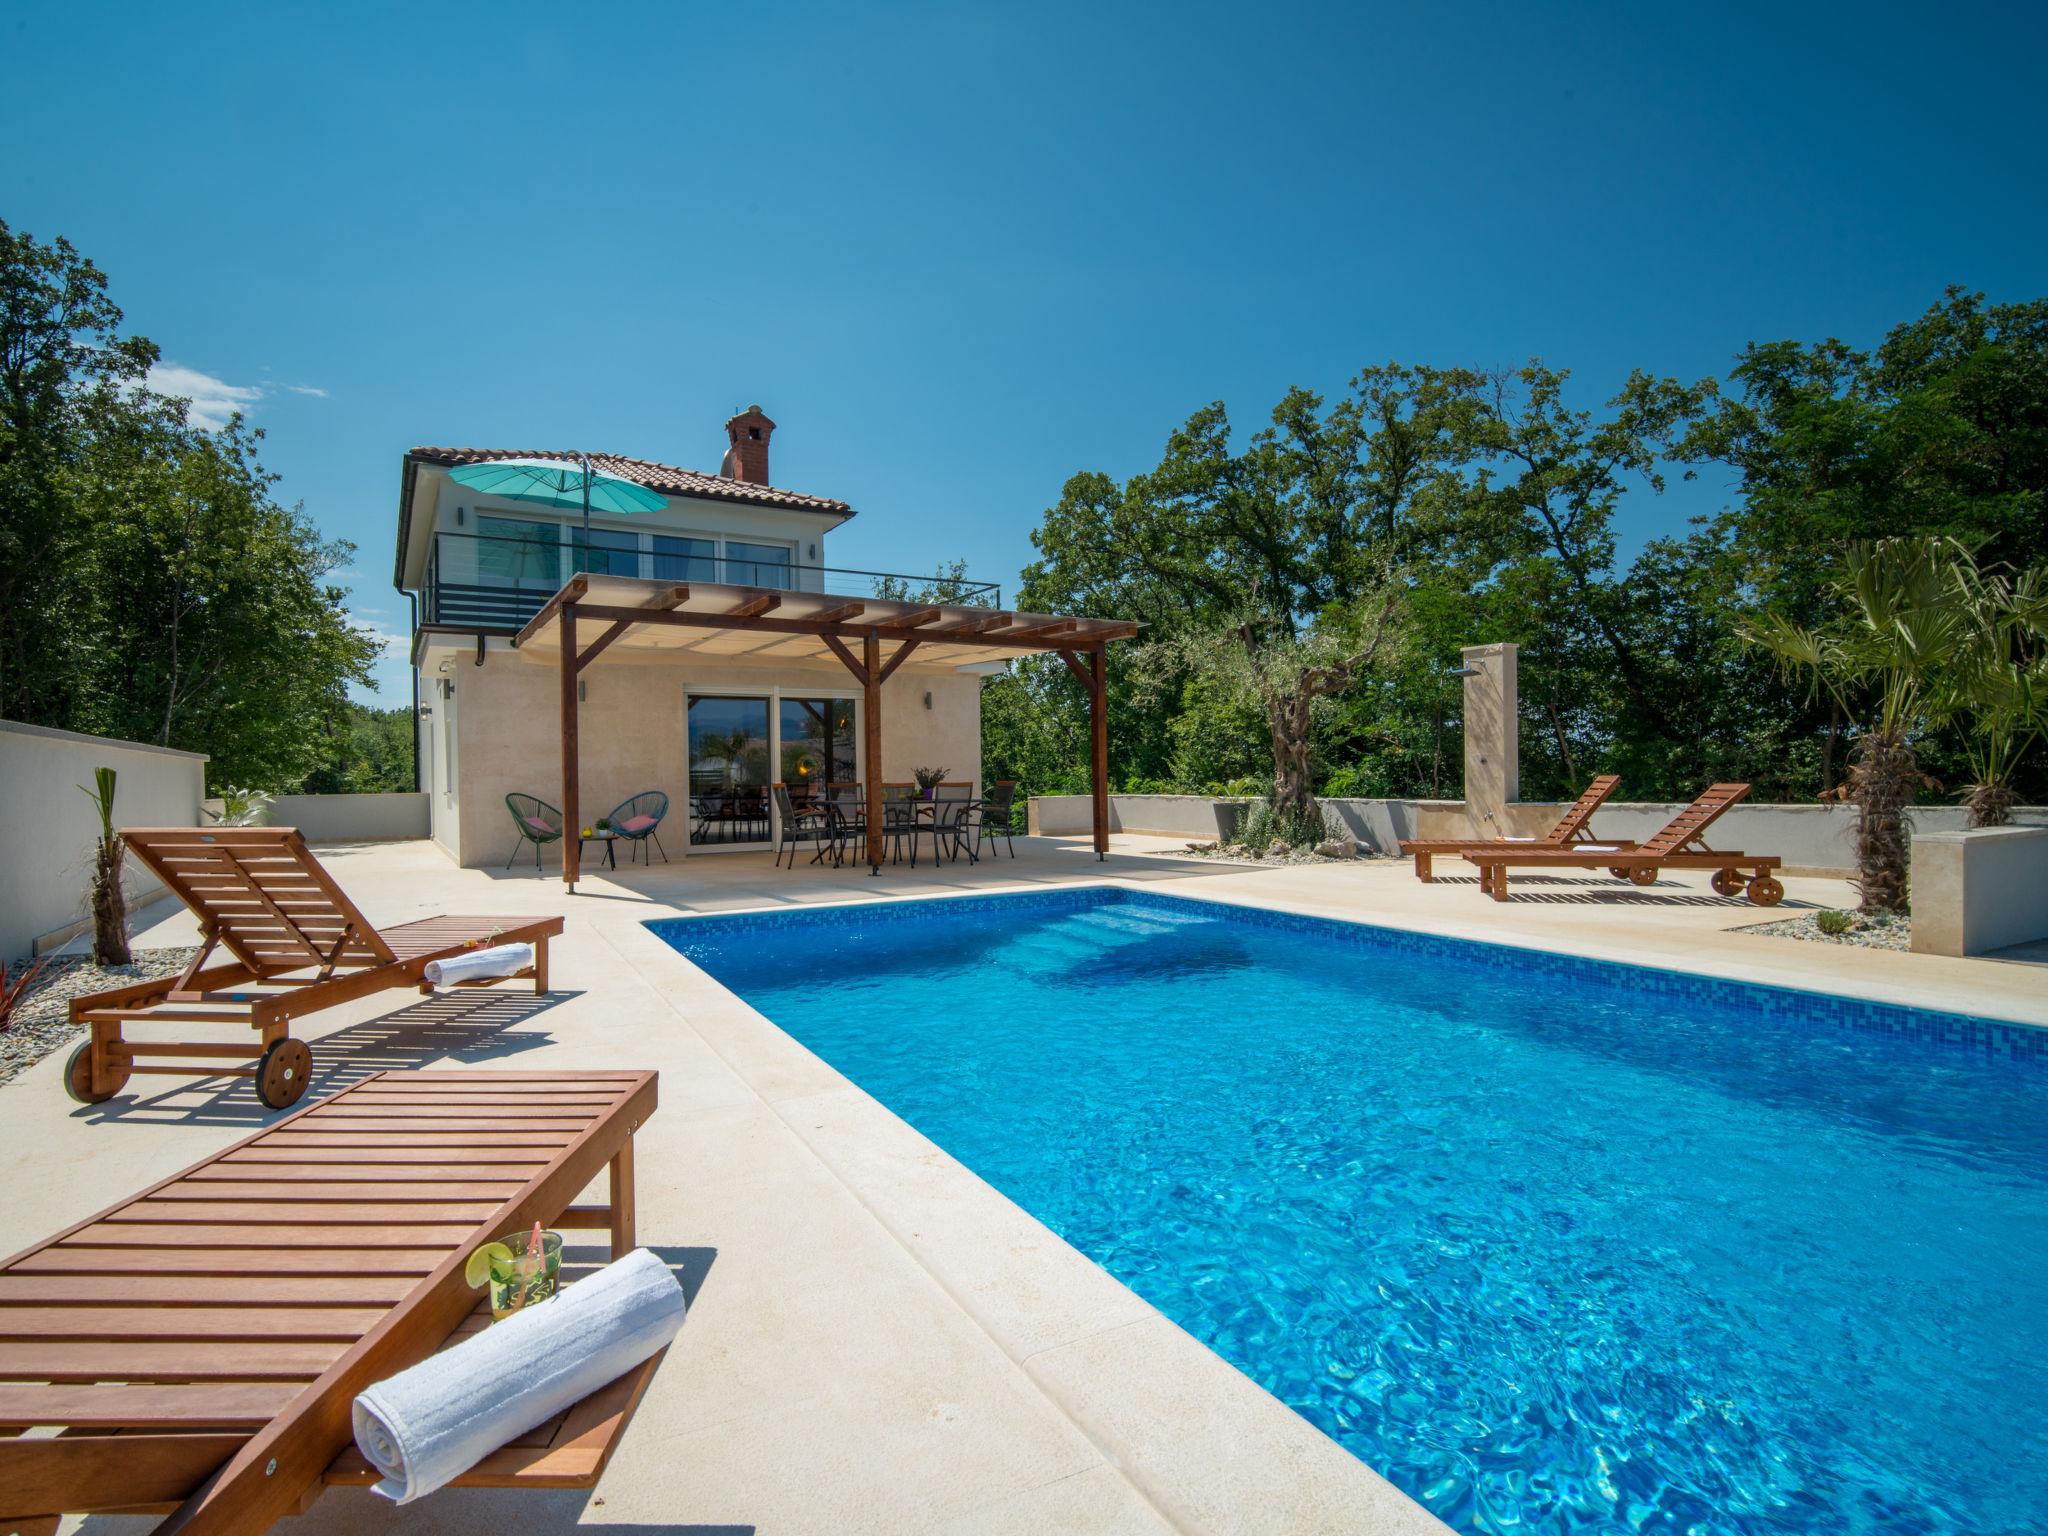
<point x="297" y="943"/>
<point x="1573" y="826"/>
<point x="1677" y="846"/>
<point x="199" y="1346"/>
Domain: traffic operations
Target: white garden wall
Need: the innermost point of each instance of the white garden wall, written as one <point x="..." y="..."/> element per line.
<point x="48" y="830"/>
<point x="1811" y="839"/>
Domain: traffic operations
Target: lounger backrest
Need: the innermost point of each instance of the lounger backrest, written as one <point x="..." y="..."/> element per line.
<point x="1689" y="823"/>
<point x="260" y="893"/>
<point x="1574" y="820"/>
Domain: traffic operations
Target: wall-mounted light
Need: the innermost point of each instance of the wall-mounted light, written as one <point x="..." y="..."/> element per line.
<point x="582" y="691"/>
<point x="447" y="689"/>
<point x="460" y="510"/>
<point x="812" y="550"/>
<point x="927" y="701"/>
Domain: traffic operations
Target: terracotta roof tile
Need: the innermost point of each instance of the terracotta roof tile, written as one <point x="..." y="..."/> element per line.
<point x="667" y="478"/>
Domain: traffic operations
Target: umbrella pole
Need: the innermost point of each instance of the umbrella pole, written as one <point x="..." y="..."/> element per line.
<point x="586" y="510"/>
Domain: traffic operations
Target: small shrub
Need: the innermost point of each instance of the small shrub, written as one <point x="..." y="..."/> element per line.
<point x="239" y="807"/>
<point x="1834" y="924"/>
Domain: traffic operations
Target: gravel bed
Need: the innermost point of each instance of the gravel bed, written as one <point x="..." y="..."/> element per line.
<point x="1875" y="931"/>
<point x="40" y="1025"/>
<point x="1233" y="854"/>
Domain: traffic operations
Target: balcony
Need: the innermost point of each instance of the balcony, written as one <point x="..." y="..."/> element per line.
<point x="494" y="585"/>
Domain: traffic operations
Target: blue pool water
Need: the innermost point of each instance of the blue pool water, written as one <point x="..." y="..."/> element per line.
<point x="1556" y="1246"/>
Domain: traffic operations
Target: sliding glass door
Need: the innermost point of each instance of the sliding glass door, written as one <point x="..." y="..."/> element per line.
<point x="739" y="745"/>
<point x="729" y="757"/>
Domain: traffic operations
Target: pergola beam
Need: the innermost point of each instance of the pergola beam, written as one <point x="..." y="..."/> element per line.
<point x="1043" y="637"/>
<point x="840" y="614"/>
<point x="754" y="607"/>
<point x="980" y="626"/>
<point x="674" y="597"/>
<point x="902" y="655"/>
<point x="573" y="591"/>
<point x="919" y="618"/>
<point x="838" y="648"/>
<point x="572" y="845"/>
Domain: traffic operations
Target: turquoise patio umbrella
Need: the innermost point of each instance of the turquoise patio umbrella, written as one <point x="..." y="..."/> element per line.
<point x="559" y="483"/>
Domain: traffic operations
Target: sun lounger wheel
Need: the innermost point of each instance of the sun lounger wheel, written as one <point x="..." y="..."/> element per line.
<point x="282" y="1073"/>
<point x="1765" y="891"/>
<point x="1643" y="874"/>
<point x="1727" y="881"/>
<point x="1619" y="871"/>
<point x="78" y="1077"/>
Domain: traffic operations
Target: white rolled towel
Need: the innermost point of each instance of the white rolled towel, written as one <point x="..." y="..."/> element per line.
<point x="480" y="964"/>
<point x="431" y="1423"/>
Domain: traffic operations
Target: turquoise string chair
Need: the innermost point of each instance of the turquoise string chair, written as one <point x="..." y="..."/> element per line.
<point x="639" y="819"/>
<point x="536" y="822"/>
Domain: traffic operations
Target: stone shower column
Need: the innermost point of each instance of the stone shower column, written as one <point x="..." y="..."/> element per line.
<point x="1493" y="749"/>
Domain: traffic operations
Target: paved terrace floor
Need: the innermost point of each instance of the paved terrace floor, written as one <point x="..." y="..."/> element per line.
<point x="878" y="1342"/>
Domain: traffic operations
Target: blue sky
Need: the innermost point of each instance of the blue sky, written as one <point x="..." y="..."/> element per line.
<point x="961" y="252"/>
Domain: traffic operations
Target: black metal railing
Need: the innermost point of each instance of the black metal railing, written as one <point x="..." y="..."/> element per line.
<point x="479" y="581"/>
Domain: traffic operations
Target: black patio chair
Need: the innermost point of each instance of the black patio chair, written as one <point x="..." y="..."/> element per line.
<point x="952" y="809"/>
<point x="900" y="819"/>
<point x="639" y="819"/>
<point x="848" y="813"/>
<point x="536" y="822"/>
<point x="800" y="827"/>
<point x="991" y="817"/>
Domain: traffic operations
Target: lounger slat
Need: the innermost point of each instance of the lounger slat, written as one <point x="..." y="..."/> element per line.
<point x="215" y="1405"/>
<point x="341" y="1220"/>
<point x="569" y="1117"/>
<point x="50" y="1474"/>
<point x="155" y="1290"/>
<point x="170" y="1323"/>
<point x="372" y="1163"/>
<point x="441" y="1139"/>
<point x="175" y="1360"/>
<point x="115" y="1234"/>
<point x="63" y="1259"/>
<point x="580" y="1102"/>
<point x="467" y="1125"/>
<point x="308" y="1186"/>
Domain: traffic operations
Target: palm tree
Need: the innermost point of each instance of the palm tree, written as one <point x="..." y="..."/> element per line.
<point x="1900" y="636"/>
<point x="1998" y="693"/>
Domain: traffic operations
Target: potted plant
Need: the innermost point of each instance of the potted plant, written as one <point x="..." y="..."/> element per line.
<point x="604" y="824"/>
<point x="928" y="779"/>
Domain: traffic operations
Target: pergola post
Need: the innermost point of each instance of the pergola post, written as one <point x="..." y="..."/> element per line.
<point x="871" y="743"/>
<point x="572" y="825"/>
<point x="1098" y="722"/>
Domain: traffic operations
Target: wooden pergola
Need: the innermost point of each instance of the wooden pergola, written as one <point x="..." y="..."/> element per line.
<point x="870" y="637"/>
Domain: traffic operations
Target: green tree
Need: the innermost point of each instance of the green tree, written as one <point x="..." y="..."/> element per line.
<point x="151" y="586"/>
<point x="64" y="370"/>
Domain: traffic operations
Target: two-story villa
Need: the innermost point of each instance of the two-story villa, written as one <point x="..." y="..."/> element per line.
<point x="742" y="666"/>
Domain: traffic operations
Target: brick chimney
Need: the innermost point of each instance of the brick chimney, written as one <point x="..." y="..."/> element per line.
<point x="747" y="457"/>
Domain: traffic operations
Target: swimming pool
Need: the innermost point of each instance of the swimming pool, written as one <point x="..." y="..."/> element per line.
<point x="1557" y="1246"/>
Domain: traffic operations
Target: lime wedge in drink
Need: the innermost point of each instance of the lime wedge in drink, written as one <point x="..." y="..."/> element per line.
<point x="491" y="1256"/>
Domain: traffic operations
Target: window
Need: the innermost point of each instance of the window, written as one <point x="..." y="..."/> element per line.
<point x="513" y="550"/>
<point x="608" y="552"/>
<point x="757" y="565"/>
<point x="685" y="559"/>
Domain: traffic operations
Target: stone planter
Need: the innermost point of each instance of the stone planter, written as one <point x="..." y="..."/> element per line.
<point x="1230" y="815"/>
<point x="1979" y="891"/>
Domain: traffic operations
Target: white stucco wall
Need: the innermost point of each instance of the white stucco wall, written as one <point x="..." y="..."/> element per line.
<point x="48" y="830"/>
<point x="505" y="716"/>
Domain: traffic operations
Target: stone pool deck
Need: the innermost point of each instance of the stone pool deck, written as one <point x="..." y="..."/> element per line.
<point x="878" y="1341"/>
